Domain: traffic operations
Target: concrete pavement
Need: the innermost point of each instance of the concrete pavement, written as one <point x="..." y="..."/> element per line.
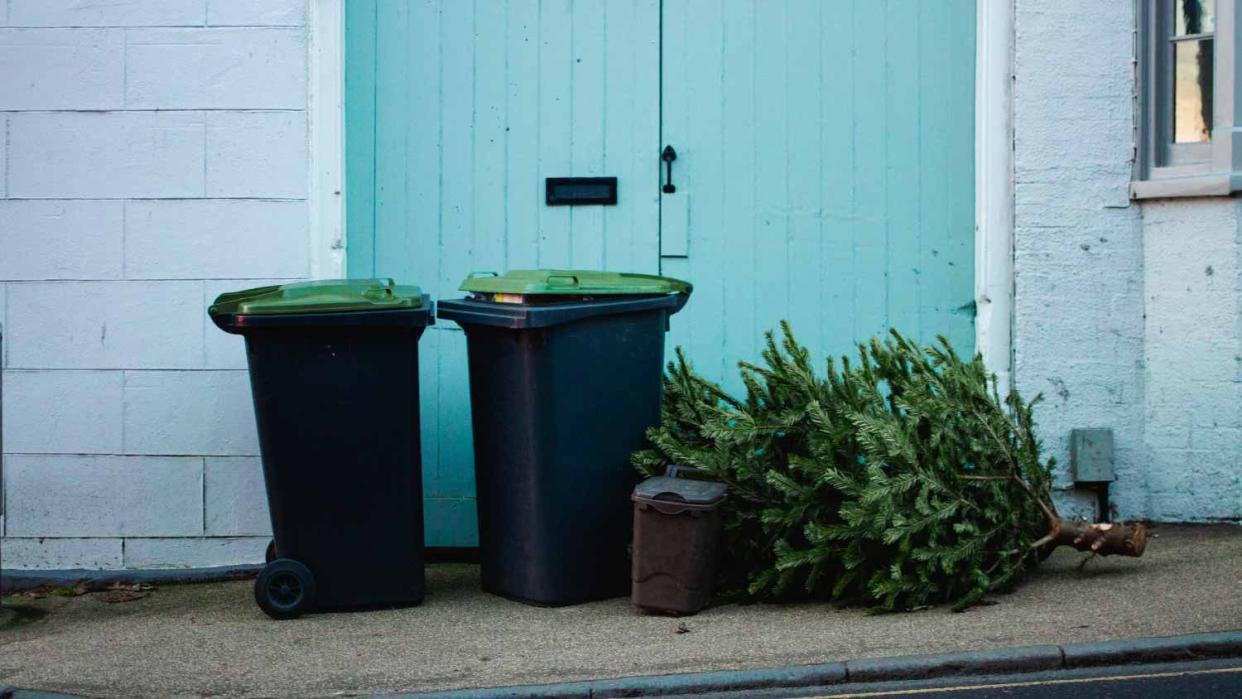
<point x="210" y="639"/>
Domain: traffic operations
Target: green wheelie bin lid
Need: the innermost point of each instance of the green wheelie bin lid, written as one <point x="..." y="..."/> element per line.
<point x="322" y="296"/>
<point x="575" y="282"/>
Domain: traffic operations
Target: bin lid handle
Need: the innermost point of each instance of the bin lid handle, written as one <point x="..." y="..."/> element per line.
<point x="675" y="470"/>
<point x="562" y="280"/>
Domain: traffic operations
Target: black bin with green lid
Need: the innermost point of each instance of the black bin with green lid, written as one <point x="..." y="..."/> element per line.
<point x="334" y="376"/>
<point x="565" y="378"/>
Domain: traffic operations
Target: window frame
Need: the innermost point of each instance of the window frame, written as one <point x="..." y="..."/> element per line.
<point x="1199" y="169"/>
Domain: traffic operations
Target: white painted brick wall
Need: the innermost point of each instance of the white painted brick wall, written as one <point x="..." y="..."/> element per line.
<point x="1193" y="303"/>
<point x="1119" y="320"/>
<point x="1078" y="251"/>
<point x="153" y="154"/>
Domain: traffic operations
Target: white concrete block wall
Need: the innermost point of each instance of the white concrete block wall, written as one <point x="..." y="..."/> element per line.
<point x="153" y="154"/>
<point x="253" y="68"/>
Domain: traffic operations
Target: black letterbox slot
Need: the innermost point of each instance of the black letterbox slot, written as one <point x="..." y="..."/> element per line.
<point x="577" y="191"/>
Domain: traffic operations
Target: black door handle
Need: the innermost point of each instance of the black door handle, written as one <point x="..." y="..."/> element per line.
<point x="668" y="156"/>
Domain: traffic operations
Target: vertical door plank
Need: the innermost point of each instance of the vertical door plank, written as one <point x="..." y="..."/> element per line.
<point x="458" y="220"/>
<point x="487" y="251"/>
<point x="360" y="88"/>
<point x="429" y="408"/>
<point x="959" y="131"/>
<point x="455" y="448"/>
<point x="837" y="250"/>
<point x="586" y="137"/>
<point x="524" y="185"/>
<point x="391" y="114"/>
<point x="631" y="143"/>
<point x="803" y="83"/>
<point x="937" y="257"/>
<point x="902" y="111"/>
<point x="555" y="124"/>
<point x="676" y="117"/>
<point x="741" y="144"/>
<point x="411" y="252"/>
<point x="457" y="159"/>
<point x="697" y="174"/>
<point x="643" y="127"/>
<point x="771" y="173"/>
<point x="617" y="142"/>
<point x="870" y="169"/>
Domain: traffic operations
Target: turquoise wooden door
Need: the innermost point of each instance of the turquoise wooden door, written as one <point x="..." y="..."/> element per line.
<point x="455" y="113"/>
<point x="824" y="170"/>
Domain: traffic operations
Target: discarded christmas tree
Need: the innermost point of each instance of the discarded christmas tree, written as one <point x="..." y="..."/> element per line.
<point x="898" y="481"/>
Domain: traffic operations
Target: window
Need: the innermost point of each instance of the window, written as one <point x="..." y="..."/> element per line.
<point x="1185" y="97"/>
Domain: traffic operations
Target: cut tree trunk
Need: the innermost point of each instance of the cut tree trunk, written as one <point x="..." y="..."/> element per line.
<point x="1100" y="538"/>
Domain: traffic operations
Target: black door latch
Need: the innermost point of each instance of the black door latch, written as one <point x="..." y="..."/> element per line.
<point x="668" y="156"/>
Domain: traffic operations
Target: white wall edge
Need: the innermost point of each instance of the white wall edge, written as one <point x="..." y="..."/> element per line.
<point x="326" y="113"/>
<point x="994" y="189"/>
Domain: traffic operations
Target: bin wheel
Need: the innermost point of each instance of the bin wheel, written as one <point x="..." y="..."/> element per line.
<point x="270" y="554"/>
<point x="285" y="589"/>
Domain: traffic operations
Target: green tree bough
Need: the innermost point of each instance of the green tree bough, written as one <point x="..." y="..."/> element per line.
<point x="898" y="481"/>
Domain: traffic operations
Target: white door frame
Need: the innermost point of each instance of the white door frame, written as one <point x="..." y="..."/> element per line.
<point x="994" y="282"/>
<point x="994" y="274"/>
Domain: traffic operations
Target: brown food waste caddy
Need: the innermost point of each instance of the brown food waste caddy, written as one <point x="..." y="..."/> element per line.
<point x="676" y="535"/>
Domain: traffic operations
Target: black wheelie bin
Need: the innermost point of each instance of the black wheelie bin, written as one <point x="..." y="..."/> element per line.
<point x="334" y="375"/>
<point x="565" y="378"/>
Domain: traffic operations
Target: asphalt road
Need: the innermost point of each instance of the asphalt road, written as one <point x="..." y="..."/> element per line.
<point x="1217" y="679"/>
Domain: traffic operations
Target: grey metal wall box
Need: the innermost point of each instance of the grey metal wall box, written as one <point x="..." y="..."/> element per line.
<point x="1091" y="455"/>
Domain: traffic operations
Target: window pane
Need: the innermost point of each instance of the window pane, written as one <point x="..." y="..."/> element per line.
<point x="1192" y="91"/>
<point x="1194" y="17"/>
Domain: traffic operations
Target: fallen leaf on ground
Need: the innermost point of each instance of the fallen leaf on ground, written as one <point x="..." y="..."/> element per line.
<point x="114" y="596"/>
<point x="44" y="590"/>
<point x="682" y="628"/>
<point x="131" y="587"/>
<point x="126" y="592"/>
